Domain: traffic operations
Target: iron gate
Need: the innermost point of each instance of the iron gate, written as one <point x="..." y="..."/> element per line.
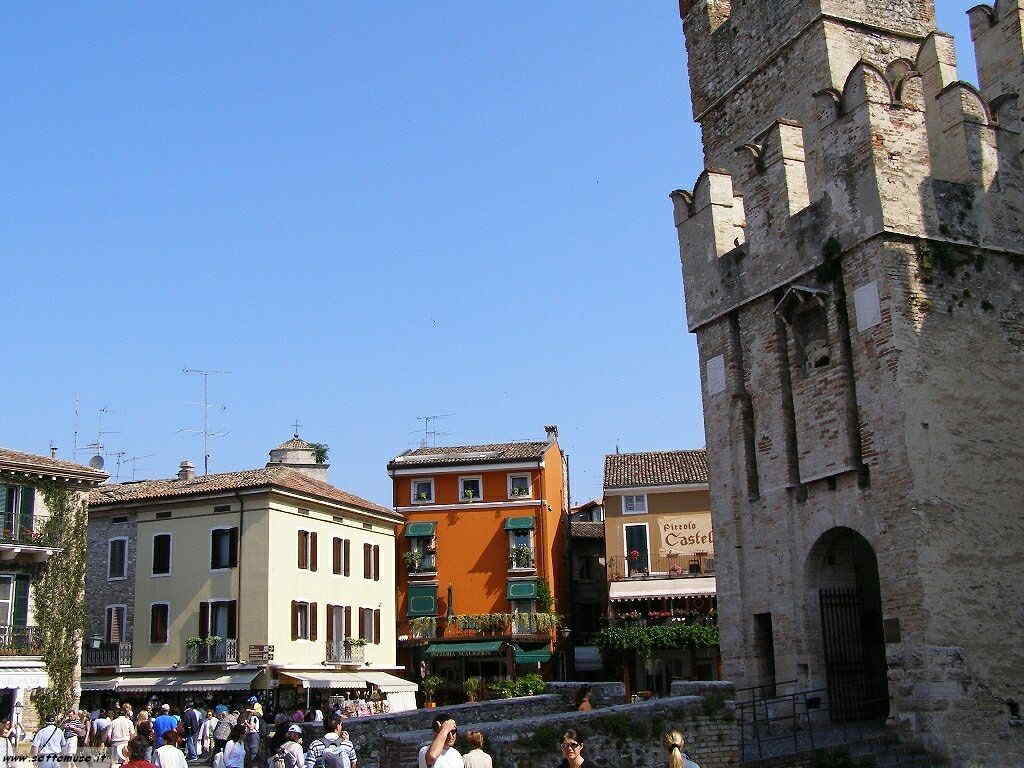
<point x="853" y="689"/>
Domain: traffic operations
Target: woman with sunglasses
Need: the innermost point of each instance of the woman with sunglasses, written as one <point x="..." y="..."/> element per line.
<point x="572" y="751"/>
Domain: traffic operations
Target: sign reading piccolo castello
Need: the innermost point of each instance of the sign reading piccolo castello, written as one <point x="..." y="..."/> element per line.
<point x="686" y="535"/>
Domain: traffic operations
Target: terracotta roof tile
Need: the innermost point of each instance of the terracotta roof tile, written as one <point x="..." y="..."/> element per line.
<point x="439" y="456"/>
<point x="30" y="461"/>
<point x="280" y="476"/>
<point x="586" y="530"/>
<point x="295" y="442"/>
<point x="636" y="470"/>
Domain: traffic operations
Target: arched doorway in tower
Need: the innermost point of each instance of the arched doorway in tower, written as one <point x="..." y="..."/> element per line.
<point x="844" y="606"/>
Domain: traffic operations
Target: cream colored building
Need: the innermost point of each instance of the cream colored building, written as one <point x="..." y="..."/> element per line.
<point x="265" y="578"/>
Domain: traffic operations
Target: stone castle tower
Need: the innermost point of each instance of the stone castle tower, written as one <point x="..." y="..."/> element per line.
<point x="853" y="262"/>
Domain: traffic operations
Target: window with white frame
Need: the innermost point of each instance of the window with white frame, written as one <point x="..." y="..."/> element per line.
<point x="159" y="619"/>
<point x="115" y="629"/>
<point x="162" y="554"/>
<point x="471" y="488"/>
<point x="6" y="599"/>
<point x="519" y="486"/>
<point x="422" y="490"/>
<point x="117" y="558"/>
<point x="634" y="505"/>
<point x="223" y="548"/>
<point x="520" y="548"/>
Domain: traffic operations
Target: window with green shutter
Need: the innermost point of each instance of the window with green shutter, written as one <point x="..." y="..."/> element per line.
<point x="422" y="600"/>
<point x="27" y="498"/>
<point x="20" y="612"/>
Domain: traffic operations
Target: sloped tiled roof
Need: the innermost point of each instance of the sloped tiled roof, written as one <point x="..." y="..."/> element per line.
<point x="18" y="461"/>
<point x="277" y="475"/>
<point x="586" y="530"/>
<point x="294" y="443"/>
<point x="439" y="456"/>
<point x="636" y="470"/>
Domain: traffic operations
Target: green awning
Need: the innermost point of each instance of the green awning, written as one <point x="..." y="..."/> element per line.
<point x="519" y="524"/>
<point x="422" y="600"/>
<point x="536" y="656"/>
<point x="490" y="648"/>
<point x="414" y="530"/>
<point x="521" y="590"/>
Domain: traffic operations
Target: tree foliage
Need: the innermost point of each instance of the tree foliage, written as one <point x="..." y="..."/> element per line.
<point x="644" y="640"/>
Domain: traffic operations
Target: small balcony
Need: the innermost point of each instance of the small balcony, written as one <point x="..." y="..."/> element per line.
<point x="211" y="650"/>
<point x="345" y="652"/>
<point x="684" y="566"/>
<point x="20" y="641"/>
<point x="522" y="559"/>
<point x="24" y="540"/>
<point x="98" y="653"/>
<point x="420" y="564"/>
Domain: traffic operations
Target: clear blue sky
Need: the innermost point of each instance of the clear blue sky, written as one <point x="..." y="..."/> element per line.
<point x="366" y="211"/>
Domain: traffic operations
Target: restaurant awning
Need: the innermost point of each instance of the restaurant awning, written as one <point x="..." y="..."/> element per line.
<point x="187" y="681"/>
<point x="104" y="683"/>
<point x="24" y="677"/>
<point x="535" y="656"/>
<point x="658" y="588"/>
<point x="488" y="648"/>
<point x="343" y="680"/>
<point x="588" y="658"/>
<point x="390" y="683"/>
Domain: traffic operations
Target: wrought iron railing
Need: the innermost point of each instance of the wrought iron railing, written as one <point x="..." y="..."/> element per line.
<point x="104" y="654"/>
<point x="20" y="641"/>
<point x="684" y="566"/>
<point x="345" y="652"/>
<point x="223" y="650"/>
<point x="26" y="530"/>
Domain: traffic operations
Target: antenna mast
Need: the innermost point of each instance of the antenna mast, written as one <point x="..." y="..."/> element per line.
<point x="206" y="413"/>
<point x="430" y="432"/>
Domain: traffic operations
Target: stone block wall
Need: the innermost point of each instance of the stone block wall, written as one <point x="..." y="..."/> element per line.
<point x="602" y="694"/>
<point x="625" y="735"/>
<point x="99" y="591"/>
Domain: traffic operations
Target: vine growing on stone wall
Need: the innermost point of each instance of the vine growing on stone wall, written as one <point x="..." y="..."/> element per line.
<point x="646" y="639"/>
<point x="59" y="597"/>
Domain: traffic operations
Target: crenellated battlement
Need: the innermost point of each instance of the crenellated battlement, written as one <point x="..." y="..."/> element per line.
<point x="904" y="147"/>
<point x="998" y="39"/>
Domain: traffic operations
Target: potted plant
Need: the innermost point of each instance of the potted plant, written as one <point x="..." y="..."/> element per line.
<point x="522" y="556"/>
<point x="471" y="687"/>
<point x="423" y="496"/>
<point x="468" y="494"/>
<point x="412" y="559"/>
<point x="194" y="642"/>
<point x="430" y="684"/>
<point x="520" y="491"/>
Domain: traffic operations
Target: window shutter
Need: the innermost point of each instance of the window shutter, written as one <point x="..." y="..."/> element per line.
<point x="362" y="623"/>
<point x="347" y="546"/>
<point x="330" y="622"/>
<point x="232" y="620"/>
<point x="20" y="613"/>
<point x="376" y="562"/>
<point x="233" y="548"/>
<point x="312" y="620"/>
<point x="214" y="535"/>
<point x="303" y="550"/>
<point x="295" y="620"/>
<point x="367" y="563"/>
<point x="336" y="555"/>
<point x="28" y="500"/>
<point x="312" y="551"/>
<point x="348" y="622"/>
<point x="376" y="627"/>
<point x="204" y="619"/>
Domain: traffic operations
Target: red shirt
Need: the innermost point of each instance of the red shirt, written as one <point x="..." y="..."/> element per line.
<point x="138" y="764"/>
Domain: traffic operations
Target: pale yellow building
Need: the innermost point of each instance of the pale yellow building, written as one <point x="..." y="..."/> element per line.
<point x="267" y="578"/>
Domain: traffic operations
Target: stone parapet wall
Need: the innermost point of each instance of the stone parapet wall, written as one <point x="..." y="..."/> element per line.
<point x="602" y="694"/>
<point x="624" y="735"/>
<point x="721" y="688"/>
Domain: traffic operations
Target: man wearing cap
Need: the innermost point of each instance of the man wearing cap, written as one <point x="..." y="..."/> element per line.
<point x="163" y="723"/>
<point x="291" y="750"/>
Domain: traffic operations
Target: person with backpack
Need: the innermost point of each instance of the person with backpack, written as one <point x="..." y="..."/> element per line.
<point x="49" y="744"/>
<point x="252" y="738"/>
<point x="328" y="751"/>
<point x="290" y="754"/>
<point x="221" y="734"/>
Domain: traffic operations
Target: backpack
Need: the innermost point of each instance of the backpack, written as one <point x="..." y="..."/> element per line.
<point x="223" y="729"/>
<point x="334" y="755"/>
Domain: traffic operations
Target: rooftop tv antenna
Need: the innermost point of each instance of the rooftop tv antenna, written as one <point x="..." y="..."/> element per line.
<point x="98" y="446"/>
<point x="134" y="460"/>
<point x="430" y="431"/>
<point x="205" y="405"/>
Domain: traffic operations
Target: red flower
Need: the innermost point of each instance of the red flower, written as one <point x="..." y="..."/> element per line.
<point x="634" y="555"/>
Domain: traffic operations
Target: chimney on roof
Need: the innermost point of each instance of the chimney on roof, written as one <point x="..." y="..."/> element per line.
<point x="187" y="471"/>
<point x="552" y="431"/>
<point x="53" y="451"/>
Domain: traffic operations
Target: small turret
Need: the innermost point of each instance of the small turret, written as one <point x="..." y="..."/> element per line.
<point x="299" y="455"/>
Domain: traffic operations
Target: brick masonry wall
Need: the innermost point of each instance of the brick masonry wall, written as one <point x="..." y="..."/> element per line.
<point x="99" y="591"/>
<point x="626" y="735"/>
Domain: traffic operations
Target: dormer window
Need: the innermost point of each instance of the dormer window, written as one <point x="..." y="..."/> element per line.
<point x="471" y="488"/>
<point x="423" y="491"/>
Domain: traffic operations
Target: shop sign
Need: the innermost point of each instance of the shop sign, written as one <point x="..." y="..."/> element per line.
<point x="686" y="535"/>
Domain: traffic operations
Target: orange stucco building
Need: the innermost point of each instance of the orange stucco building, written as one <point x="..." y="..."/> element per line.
<point x="481" y="559"/>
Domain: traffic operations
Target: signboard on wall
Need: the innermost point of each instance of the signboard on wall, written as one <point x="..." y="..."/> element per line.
<point x="686" y="535"/>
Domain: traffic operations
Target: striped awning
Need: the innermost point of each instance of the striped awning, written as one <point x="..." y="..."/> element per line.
<point x="102" y="683"/>
<point x="417" y="529"/>
<point x="187" y="681"/>
<point x="660" y="588"/>
<point x="488" y="648"/>
<point x="24" y="677"/>
<point x="535" y="656"/>
<point x="340" y="680"/>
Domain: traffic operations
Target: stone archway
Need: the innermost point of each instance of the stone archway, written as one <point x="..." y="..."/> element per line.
<point x="845" y="620"/>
